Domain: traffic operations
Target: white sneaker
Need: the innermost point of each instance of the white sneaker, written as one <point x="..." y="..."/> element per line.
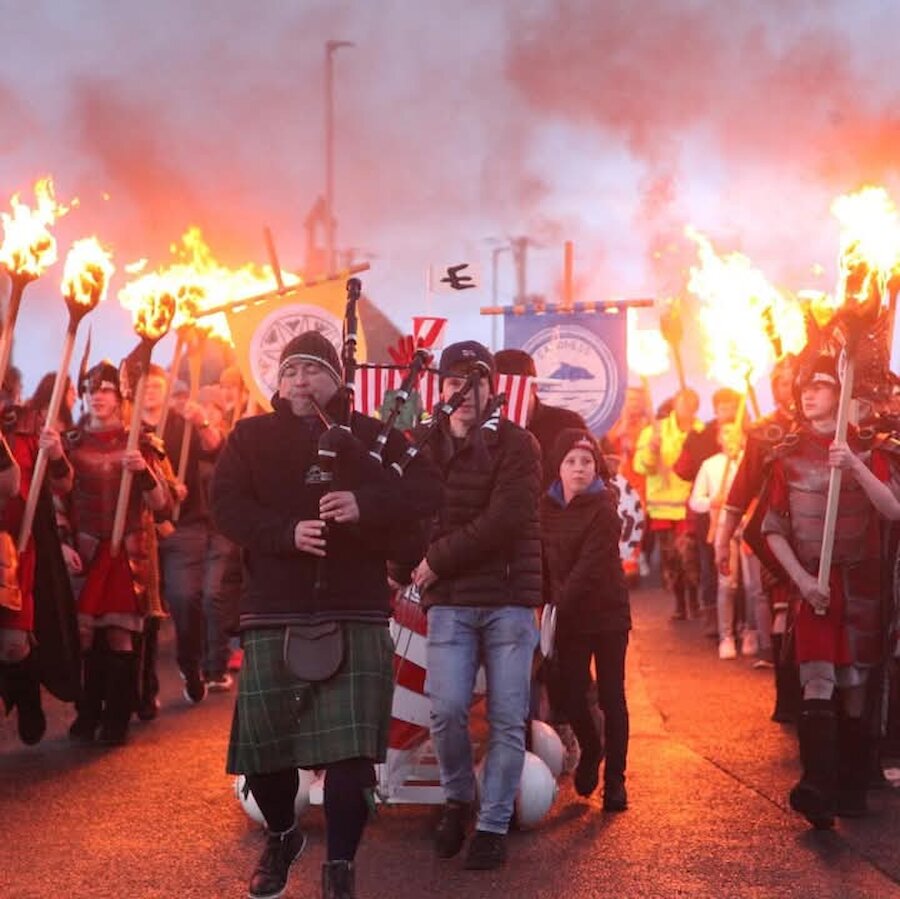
<point x="727" y="648"/>
<point x="749" y="643"/>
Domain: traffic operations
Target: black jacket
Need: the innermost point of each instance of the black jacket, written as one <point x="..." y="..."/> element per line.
<point x="266" y="481"/>
<point x="485" y="546"/>
<point x="582" y="568"/>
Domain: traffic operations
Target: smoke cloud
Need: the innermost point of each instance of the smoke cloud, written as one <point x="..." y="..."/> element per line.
<point x="610" y="124"/>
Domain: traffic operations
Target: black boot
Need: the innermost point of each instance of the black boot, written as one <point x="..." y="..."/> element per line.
<point x="338" y="881"/>
<point x="148" y="703"/>
<point x="120" y="696"/>
<point x="787" y="685"/>
<point x="853" y="772"/>
<point x="23" y="691"/>
<point x="271" y="874"/>
<point x="89" y="705"/>
<point x="813" y="796"/>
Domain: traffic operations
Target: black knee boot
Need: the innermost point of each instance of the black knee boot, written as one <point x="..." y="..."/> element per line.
<point x="120" y="697"/>
<point x="148" y="704"/>
<point x="89" y="705"/>
<point x="853" y="770"/>
<point x="338" y="881"/>
<point x="813" y="796"/>
<point x="22" y="690"/>
<point x="787" y="685"/>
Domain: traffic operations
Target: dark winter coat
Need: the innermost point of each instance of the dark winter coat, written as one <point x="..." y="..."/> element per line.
<point x="582" y="569"/>
<point x="266" y="480"/>
<point x="485" y="546"/>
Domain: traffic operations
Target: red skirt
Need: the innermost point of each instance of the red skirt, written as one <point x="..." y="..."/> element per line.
<point x="109" y="586"/>
<point x="826" y="638"/>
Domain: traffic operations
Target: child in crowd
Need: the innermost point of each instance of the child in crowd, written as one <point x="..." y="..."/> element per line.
<point x="708" y="496"/>
<point x="584" y="580"/>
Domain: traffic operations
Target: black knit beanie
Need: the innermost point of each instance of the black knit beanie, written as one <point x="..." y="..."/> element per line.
<point x="570" y="438"/>
<point x="311" y="346"/>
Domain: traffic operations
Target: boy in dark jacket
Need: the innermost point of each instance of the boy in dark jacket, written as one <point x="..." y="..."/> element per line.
<point x="584" y="579"/>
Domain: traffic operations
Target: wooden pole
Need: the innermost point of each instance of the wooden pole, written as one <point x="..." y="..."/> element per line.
<point x="6" y="338"/>
<point x="134" y="435"/>
<point x="40" y="465"/>
<point x="195" y="361"/>
<point x="834" y="480"/>
<point x="173" y="375"/>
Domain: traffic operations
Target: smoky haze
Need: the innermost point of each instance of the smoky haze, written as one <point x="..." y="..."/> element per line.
<point x="609" y="123"/>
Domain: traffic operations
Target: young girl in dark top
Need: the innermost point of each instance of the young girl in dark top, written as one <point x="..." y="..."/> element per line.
<point x="583" y="573"/>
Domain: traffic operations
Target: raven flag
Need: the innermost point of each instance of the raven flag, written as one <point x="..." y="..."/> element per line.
<point x="580" y="359"/>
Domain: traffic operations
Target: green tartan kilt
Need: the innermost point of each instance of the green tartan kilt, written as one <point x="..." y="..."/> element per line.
<point x="282" y="722"/>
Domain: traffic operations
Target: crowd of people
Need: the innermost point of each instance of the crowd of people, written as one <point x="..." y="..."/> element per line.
<point x="285" y="529"/>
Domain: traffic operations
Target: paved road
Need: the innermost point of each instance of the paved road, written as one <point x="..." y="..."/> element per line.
<point x="708" y="779"/>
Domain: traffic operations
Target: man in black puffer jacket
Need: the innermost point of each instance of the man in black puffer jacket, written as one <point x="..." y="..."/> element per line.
<point x="481" y="581"/>
<point x="271" y="496"/>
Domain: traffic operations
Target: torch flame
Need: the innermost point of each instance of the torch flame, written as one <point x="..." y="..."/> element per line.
<point x="29" y="248"/>
<point x="736" y="300"/>
<point x="152" y="304"/>
<point x="648" y="350"/>
<point x="198" y="281"/>
<point x="86" y="273"/>
<point x="869" y="240"/>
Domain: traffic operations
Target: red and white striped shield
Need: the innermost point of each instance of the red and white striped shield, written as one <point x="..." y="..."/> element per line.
<point x="518" y="392"/>
<point x="429" y="332"/>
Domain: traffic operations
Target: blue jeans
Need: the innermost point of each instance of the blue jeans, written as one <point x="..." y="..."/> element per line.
<point x="195" y="559"/>
<point x="460" y="639"/>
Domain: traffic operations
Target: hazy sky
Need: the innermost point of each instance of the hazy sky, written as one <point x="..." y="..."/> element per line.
<point x="609" y="123"/>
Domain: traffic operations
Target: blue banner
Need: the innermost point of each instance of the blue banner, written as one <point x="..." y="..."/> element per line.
<point x="580" y="357"/>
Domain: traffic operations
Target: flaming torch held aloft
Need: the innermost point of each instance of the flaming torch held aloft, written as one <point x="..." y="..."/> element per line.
<point x="869" y="260"/>
<point x="153" y="308"/>
<point x="27" y="251"/>
<point x="86" y="276"/>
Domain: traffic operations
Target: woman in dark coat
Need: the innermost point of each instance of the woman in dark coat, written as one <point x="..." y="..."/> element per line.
<point x="580" y="529"/>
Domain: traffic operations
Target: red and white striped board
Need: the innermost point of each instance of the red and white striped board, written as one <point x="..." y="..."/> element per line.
<point x="373" y="383"/>
<point x="518" y="392"/>
<point x="429" y="332"/>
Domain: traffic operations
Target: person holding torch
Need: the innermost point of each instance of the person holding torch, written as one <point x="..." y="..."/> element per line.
<point x="111" y="587"/>
<point x="838" y="632"/>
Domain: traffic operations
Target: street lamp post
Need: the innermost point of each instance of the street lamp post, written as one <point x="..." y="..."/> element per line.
<point x="330" y="224"/>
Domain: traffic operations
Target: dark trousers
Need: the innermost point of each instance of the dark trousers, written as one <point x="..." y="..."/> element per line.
<point x="195" y="561"/>
<point x="575" y="652"/>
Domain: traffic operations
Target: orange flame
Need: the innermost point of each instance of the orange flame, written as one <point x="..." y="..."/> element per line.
<point x="198" y="281"/>
<point x="86" y="273"/>
<point x="152" y="305"/>
<point x="29" y="248"/>
<point x="648" y="350"/>
<point x="869" y="239"/>
<point x="735" y="301"/>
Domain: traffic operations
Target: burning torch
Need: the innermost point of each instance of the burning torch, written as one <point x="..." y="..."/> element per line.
<point x="86" y="275"/>
<point x="28" y="250"/>
<point x="869" y="259"/>
<point x="153" y="308"/>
